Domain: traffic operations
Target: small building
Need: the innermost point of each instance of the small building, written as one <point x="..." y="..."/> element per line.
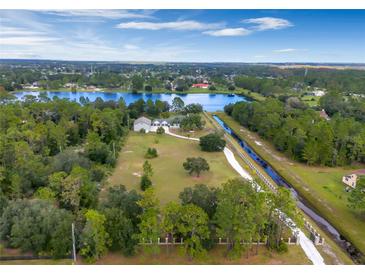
<point x="142" y="123"/>
<point x="317" y="93"/>
<point x="323" y="114"/>
<point x="201" y="85"/>
<point x="350" y="180"/>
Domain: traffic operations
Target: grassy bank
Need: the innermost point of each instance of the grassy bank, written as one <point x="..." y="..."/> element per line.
<point x="320" y="186"/>
<point x="216" y="256"/>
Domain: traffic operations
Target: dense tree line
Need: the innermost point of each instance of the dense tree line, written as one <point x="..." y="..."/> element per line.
<point x="123" y="219"/>
<point x="268" y="80"/>
<point x="302" y="133"/>
<point x="336" y="103"/>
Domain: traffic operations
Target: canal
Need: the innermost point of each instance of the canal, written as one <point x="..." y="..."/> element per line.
<point x="302" y="204"/>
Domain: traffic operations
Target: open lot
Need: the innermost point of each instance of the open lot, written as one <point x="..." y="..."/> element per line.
<point x="169" y="177"/>
<point x="320" y="186"/>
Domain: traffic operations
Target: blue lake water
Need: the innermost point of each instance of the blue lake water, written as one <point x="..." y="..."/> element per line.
<point x="210" y="102"/>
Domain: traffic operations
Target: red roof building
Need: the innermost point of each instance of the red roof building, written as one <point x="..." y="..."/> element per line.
<point x="200" y="85"/>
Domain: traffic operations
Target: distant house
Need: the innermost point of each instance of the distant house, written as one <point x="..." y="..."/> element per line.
<point x="350" y="180"/>
<point x="142" y="123"/>
<point x="323" y="114"/>
<point x="318" y="93"/>
<point x="202" y="85"/>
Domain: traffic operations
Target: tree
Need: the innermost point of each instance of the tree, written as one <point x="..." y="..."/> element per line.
<point x="74" y="190"/>
<point x="149" y="226"/>
<point x="147" y="169"/>
<point x="145" y="182"/>
<point x="193" y="227"/>
<point x="192" y="122"/>
<point x="171" y="219"/>
<point x="282" y="202"/>
<point x="137" y="82"/>
<point x="94" y="238"/>
<point x="235" y="215"/>
<point x="177" y="104"/>
<point x="356" y="199"/>
<point x="127" y="201"/>
<point x="148" y="88"/>
<point x="37" y="226"/>
<point x="121" y="231"/>
<point x="45" y="193"/>
<point x="196" y="165"/>
<point x="96" y="150"/>
<point x="212" y="142"/>
<point x="202" y="196"/>
<point x="193" y="109"/>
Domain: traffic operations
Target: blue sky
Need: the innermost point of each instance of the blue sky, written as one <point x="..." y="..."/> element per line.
<point x="185" y="35"/>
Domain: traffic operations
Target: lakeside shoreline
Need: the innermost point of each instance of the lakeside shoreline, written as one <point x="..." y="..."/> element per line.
<point x="244" y="93"/>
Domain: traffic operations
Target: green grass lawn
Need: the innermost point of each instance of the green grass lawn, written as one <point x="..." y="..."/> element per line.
<point x="320" y="186"/>
<point x="311" y="100"/>
<point x="169" y="177"/>
<point x="216" y="256"/>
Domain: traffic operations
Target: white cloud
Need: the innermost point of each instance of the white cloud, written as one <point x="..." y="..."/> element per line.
<point x="130" y="47"/>
<point x="176" y="25"/>
<point x="107" y="14"/>
<point x="268" y="23"/>
<point x="288" y="50"/>
<point x="228" y="32"/>
<point x="26" y="40"/>
<point x="13" y="31"/>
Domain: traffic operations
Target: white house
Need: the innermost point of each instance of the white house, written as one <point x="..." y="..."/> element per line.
<point x="350" y="180"/>
<point x="152" y="126"/>
<point x="142" y="123"/>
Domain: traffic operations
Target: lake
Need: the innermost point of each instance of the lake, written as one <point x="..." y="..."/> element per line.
<point x="210" y="102"/>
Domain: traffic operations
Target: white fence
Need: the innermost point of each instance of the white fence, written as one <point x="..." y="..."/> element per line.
<point x="219" y="241"/>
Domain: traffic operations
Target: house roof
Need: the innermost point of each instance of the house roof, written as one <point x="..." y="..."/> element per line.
<point x="143" y="120"/>
<point x="324" y="114"/>
<point x="201" y="85"/>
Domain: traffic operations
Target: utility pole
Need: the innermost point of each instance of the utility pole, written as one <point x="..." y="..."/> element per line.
<point x="73" y="243"/>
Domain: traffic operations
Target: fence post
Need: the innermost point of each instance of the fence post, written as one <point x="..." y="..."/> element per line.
<point x="73" y="242"/>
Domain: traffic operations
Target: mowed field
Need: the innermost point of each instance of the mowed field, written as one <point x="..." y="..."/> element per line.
<point x="169" y="177"/>
<point x="321" y="186"/>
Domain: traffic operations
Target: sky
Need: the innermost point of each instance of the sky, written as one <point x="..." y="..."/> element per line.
<point x="336" y="36"/>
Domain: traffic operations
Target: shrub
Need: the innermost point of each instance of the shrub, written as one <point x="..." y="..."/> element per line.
<point x="160" y="130"/>
<point x="231" y="88"/>
<point x="142" y="130"/>
<point x="151" y="153"/>
<point x="282" y="247"/>
<point x="145" y="182"/>
<point x="148" y="88"/>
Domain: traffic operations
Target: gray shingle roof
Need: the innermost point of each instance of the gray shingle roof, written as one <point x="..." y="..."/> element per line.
<point x="143" y="120"/>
